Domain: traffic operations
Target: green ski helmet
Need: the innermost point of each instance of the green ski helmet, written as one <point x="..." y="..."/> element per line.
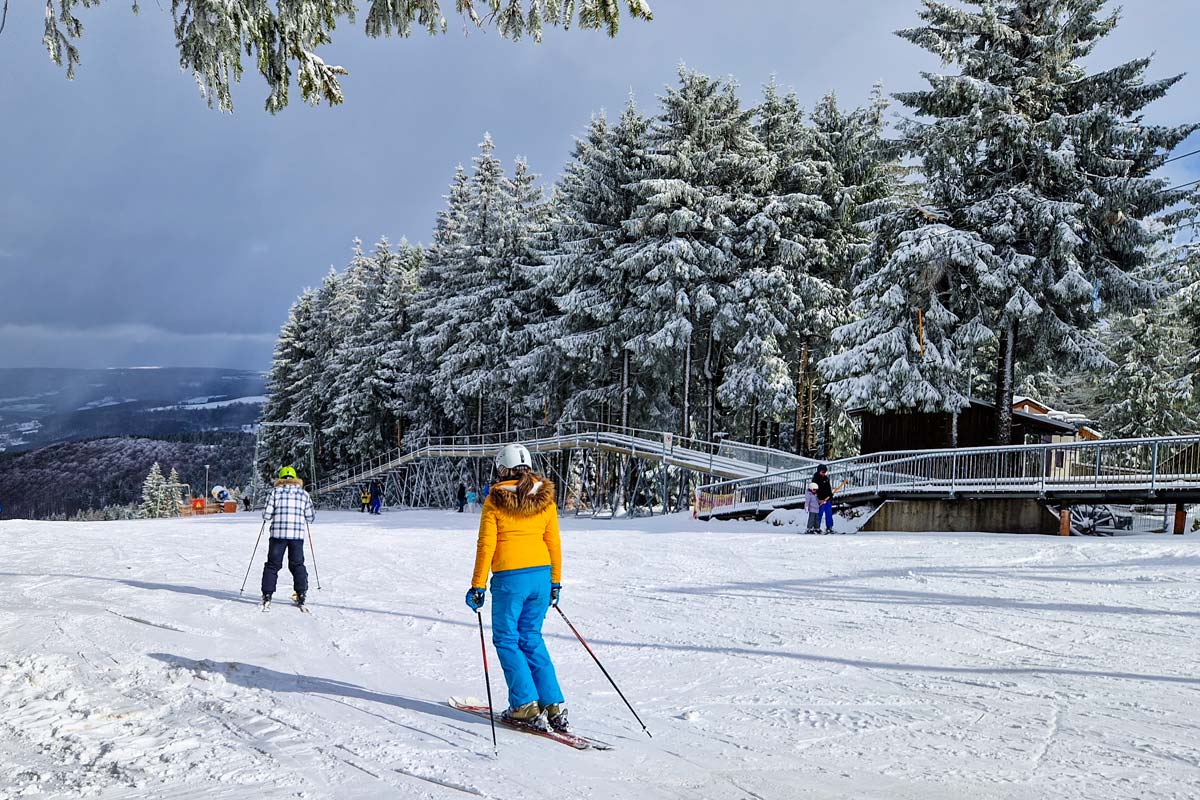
<point x="287" y="472"/>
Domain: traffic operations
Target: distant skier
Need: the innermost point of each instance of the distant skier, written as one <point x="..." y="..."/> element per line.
<point x="288" y="509"/>
<point x="364" y="500"/>
<point x="519" y="544"/>
<point x="376" y="498"/>
<point x="462" y="496"/>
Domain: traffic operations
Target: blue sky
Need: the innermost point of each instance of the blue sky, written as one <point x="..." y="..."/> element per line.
<point x="137" y="226"/>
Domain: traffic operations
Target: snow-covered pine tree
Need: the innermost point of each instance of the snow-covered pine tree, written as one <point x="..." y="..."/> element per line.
<point x="860" y="180"/>
<point x="398" y="376"/>
<point x="890" y="357"/>
<point x="174" y="493"/>
<point x="583" y="356"/>
<point x="1047" y="164"/>
<point x="288" y="379"/>
<point x="526" y="307"/>
<point x="780" y="282"/>
<point x="705" y="174"/>
<point x="420" y="395"/>
<point x="300" y="384"/>
<point x="360" y="419"/>
<point x="467" y="367"/>
<point x="1149" y="392"/>
<point x="315" y="385"/>
<point x="1189" y="294"/>
<point x="154" y="493"/>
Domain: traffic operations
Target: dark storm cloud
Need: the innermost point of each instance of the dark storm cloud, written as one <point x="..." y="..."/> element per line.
<point x="137" y="226"/>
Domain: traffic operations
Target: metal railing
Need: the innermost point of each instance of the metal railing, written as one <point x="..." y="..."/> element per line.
<point x="771" y="460"/>
<point x="1121" y="468"/>
<point x="725" y="458"/>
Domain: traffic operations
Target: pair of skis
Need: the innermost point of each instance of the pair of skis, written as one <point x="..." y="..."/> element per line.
<point x="266" y="605"/>
<point x="473" y="707"/>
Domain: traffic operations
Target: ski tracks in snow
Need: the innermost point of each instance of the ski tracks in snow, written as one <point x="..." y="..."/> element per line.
<point x="768" y="665"/>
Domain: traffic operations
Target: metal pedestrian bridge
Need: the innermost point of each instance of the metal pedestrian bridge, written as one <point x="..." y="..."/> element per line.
<point x="1158" y="470"/>
<point x="601" y="466"/>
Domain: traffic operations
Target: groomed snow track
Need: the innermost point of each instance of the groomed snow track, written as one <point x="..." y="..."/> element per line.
<point x="1161" y="470"/>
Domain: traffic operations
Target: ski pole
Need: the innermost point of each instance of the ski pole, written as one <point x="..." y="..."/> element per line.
<point x="487" y="678"/>
<point x="251" y="564"/>
<point x="313" y="547"/>
<point x="602" y="669"/>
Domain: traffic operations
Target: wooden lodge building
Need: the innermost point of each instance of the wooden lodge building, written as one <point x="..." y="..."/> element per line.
<point x="909" y="430"/>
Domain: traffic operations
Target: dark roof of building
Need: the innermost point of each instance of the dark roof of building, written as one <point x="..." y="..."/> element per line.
<point x="1030" y="421"/>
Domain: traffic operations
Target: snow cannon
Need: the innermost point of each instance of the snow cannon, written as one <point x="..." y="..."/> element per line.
<point x="225" y="499"/>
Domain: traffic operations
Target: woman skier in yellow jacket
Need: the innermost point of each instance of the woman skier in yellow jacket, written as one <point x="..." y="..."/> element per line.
<point x="519" y="544"/>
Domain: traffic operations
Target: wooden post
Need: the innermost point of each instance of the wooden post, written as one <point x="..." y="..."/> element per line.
<point x="1064" y="521"/>
<point x="1180" y="518"/>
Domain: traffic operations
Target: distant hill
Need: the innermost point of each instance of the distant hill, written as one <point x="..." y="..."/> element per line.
<point x="71" y="476"/>
<point x="41" y="406"/>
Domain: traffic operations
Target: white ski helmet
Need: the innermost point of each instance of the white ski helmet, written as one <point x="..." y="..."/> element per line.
<point x="513" y="456"/>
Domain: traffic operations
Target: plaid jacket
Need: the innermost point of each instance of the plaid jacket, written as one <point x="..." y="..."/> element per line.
<point x="288" y="508"/>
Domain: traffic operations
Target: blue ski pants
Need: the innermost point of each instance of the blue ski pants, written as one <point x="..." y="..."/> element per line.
<point x="295" y="553"/>
<point x="520" y="600"/>
<point x="827" y="512"/>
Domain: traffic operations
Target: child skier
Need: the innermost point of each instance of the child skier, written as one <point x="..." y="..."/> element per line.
<point x="519" y="543"/>
<point x="288" y="509"/>
<point x="813" y="506"/>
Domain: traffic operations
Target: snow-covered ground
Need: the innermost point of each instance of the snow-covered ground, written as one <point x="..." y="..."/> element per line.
<point x="767" y="664"/>
<point x="205" y="404"/>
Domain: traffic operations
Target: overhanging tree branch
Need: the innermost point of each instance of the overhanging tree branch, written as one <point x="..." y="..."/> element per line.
<point x="279" y="37"/>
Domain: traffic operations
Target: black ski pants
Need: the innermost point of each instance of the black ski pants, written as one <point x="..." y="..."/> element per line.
<point x="295" y="553"/>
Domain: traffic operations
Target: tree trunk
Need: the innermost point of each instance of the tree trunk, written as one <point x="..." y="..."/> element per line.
<point x="710" y="388"/>
<point x="687" y="382"/>
<point x="1004" y="385"/>
<point x="828" y="428"/>
<point x="625" y="389"/>
<point x="804" y="405"/>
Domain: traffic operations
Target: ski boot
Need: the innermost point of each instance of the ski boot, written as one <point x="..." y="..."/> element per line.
<point x="266" y="602"/>
<point x="298" y="598"/>
<point x="530" y="715"/>
<point x="556" y="716"/>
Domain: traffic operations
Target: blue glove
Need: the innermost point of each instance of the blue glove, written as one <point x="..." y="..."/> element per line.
<point x="555" y="590"/>
<point x="475" y="598"/>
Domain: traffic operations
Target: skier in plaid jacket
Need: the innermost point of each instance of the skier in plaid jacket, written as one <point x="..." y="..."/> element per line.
<point x="289" y="509"/>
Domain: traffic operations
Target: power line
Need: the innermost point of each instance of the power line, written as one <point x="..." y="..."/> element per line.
<point x="1180" y="186"/>
<point x="1180" y="158"/>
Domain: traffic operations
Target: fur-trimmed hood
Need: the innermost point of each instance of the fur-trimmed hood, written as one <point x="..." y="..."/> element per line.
<point x="290" y="482"/>
<point x="504" y="496"/>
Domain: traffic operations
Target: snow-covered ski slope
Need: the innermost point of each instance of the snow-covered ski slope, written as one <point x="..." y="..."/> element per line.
<point x="767" y="664"/>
